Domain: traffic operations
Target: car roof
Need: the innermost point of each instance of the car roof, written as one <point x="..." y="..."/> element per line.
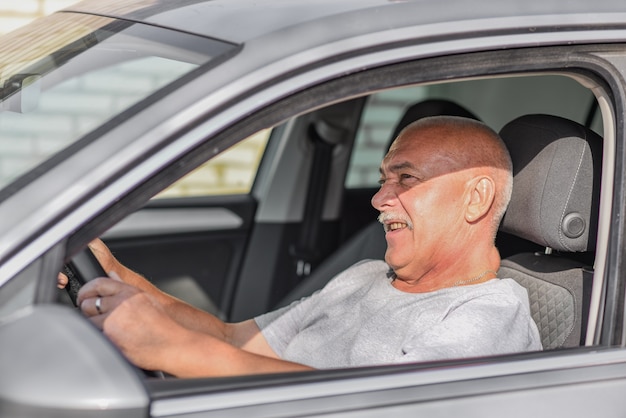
<point x="239" y="21"/>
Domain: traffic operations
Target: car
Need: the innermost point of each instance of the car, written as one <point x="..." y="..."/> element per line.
<point x="228" y="150"/>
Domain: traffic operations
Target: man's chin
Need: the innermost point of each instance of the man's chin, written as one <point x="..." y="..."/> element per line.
<point x="392" y="261"/>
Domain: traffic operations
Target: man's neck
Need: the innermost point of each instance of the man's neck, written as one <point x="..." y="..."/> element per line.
<point x="462" y="272"/>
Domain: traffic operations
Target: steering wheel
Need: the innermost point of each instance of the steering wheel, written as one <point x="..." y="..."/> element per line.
<point x="82" y="268"/>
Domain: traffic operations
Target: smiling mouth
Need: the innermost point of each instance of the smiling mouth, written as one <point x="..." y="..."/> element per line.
<point x="393" y="222"/>
<point x="394" y="226"/>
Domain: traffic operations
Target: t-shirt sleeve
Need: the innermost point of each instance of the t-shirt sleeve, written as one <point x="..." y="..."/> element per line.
<point x="487" y="324"/>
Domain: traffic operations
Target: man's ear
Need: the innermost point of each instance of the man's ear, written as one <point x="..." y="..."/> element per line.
<point x="482" y="195"/>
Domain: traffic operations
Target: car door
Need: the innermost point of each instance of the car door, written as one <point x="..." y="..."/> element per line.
<point x="576" y="384"/>
<point x="577" y="381"/>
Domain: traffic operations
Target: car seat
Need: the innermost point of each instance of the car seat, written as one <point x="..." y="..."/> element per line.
<point x="556" y="165"/>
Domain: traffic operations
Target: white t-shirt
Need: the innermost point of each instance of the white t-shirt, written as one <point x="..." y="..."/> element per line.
<point x="360" y="319"/>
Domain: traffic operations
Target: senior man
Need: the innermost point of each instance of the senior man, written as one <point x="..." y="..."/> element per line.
<point x="445" y="184"/>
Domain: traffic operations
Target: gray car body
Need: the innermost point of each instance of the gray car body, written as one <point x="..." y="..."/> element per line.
<point x="287" y="47"/>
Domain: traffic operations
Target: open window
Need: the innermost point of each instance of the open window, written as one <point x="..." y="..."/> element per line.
<point x="247" y="241"/>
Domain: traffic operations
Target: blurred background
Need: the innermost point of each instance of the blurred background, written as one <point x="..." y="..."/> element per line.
<point x="16" y="13"/>
<point x="231" y="173"/>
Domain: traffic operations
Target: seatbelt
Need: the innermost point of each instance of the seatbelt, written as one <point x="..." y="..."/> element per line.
<point x="324" y="137"/>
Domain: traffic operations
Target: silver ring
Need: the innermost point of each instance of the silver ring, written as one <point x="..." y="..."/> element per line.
<point x="99" y="305"/>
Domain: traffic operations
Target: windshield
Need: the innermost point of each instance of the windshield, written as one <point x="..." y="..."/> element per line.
<point x="63" y="76"/>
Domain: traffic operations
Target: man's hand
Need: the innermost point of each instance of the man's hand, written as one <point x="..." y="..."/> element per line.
<point x="131" y="319"/>
<point x="62" y="281"/>
<point x="104" y="257"/>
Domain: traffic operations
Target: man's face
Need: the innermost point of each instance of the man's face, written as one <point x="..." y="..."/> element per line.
<point x="421" y="200"/>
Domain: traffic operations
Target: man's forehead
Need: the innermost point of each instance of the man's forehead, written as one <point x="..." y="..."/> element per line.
<point x="417" y="151"/>
<point x="427" y="156"/>
<point x="393" y="166"/>
<point x="421" y="143"/>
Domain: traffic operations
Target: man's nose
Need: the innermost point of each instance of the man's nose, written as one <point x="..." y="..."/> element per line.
<point x="383" y="197"/>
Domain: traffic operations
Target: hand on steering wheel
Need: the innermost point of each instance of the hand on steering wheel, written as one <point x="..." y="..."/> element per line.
<point x="82" y="268"/>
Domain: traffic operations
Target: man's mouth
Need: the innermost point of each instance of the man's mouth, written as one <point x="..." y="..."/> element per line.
<point x="394" y="226"/>
<point x="394" y="222"/>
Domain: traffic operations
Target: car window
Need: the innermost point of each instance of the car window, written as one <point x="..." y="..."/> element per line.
<point x="231" y="172"/>
<point x="56" y="86"/>
<point x="550" y="94"/>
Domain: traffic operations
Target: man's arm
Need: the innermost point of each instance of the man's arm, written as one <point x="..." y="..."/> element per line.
<point x="137" y="323"/>
<point x="204" y="355"/>
<point x="244" y="335"/>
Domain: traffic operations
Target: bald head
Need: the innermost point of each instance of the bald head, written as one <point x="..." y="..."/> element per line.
<point x="463" y="144"/>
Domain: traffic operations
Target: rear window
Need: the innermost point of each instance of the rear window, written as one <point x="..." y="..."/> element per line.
<point x="551" y="94"/>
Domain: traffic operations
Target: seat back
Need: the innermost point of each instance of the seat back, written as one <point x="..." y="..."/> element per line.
<point x="556" y="165"/>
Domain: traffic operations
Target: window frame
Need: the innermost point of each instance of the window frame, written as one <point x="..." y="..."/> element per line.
<point x="580" y="61"/>
<point x="588" y="62"/>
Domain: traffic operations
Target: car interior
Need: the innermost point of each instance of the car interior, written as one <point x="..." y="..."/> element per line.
<point x="307" y="215"/>
<point x="547" y="238"/>
<point x="557" y="165"/>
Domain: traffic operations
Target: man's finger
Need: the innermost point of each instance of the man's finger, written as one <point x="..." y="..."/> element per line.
<point x="113" y="275"/>
<point x="102" y="286"/>
<point x="62" y="281"/>
<point x="93" y="306"/>
<point x="98" y="321"/>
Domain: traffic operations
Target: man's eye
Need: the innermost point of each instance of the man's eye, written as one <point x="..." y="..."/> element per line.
<point x="381" y="182"/>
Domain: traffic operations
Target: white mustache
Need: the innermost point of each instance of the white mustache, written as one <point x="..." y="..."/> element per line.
<point x="393" y="217"/>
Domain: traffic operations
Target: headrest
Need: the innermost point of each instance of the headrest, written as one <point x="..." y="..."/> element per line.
<point x="426" y="108"/>
<point x="556" y="183"/>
